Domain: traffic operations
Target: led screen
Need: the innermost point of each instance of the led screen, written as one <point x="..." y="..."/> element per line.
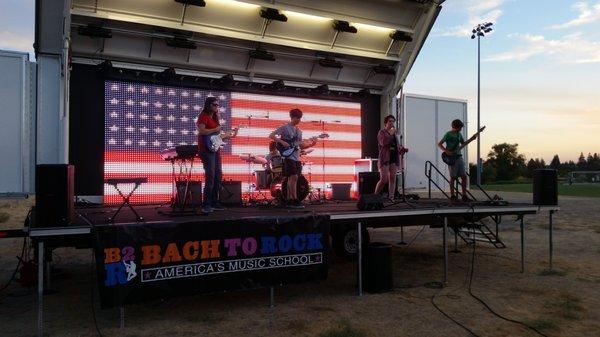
<point x="143" y="119"/>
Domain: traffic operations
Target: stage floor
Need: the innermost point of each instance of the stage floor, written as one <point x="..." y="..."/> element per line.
<point x="337" y="211"/>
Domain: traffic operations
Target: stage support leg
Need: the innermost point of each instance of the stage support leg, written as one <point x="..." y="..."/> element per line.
<point x="551" y="245"/>
<point x="359" y="257"/>
<point x="271" y="296"/>
<point x="445" y="239"/>
<point x="522" y="246"/>
<point x="121" y="317"/>
<point x="41" y="289"/>
<point x="402" y="243"/>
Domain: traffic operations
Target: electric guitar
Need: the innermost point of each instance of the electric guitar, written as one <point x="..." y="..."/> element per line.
<point x="287" y="151"/>
<point x="450" y="159"/>
<point x="214" y="141"/>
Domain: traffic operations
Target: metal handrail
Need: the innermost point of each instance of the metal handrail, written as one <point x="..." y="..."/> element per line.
<point x="428" y="175"/>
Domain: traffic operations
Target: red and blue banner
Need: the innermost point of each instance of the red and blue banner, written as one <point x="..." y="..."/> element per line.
<point x="140" y="262"/>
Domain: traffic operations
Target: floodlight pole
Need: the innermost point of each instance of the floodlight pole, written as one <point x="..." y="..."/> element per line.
<point x="478" y="110"/>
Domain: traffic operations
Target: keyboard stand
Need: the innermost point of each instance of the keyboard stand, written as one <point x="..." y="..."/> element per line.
<point x="115" y="182"/>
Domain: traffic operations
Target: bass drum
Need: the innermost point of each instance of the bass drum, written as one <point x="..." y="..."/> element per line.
<point x="279" y="188"/>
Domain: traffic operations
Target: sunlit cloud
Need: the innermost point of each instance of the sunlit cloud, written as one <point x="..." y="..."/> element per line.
<point x="477" y="12"/>
<point x="587" y="14"/>
<point x="572" y="48"/>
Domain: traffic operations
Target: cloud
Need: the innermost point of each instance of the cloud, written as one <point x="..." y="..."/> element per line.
<point x="18" y="42"/>
<point x="477" y="12"/>
<point x="587" y="14"/>
<point x="568" y="49"/>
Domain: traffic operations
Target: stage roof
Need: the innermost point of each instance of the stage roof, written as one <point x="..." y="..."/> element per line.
<point x="307" y="48"/>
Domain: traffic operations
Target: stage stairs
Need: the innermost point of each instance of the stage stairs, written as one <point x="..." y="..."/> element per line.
<point x="469" y="231"/>
<point x="474" y="232"/>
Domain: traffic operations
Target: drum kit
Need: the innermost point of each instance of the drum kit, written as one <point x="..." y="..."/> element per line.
<point x="270" y="179"/>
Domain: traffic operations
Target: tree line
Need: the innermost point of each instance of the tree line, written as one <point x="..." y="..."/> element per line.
<point x="505" y="163"/>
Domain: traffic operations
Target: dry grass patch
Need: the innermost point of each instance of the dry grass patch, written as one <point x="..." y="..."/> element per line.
<point x="553" y="272"/>
<point x="4" y="217"/>
<point x="566" y="306"/>
<point x="343" y="329"/>
<point x="543" y="324"/>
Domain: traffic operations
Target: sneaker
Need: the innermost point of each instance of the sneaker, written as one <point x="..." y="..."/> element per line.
<point x="207" y="209"/>
<point x="219" y="207"/>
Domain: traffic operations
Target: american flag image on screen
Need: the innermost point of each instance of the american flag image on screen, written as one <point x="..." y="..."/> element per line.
<point x="143" y="119"/>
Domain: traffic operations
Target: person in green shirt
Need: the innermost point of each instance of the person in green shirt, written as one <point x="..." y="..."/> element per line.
<point x="453" y="140"/>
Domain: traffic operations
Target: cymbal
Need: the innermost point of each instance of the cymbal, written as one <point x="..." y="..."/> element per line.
<point x="253" y="159"/>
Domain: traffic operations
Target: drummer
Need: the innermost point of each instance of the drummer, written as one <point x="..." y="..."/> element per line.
<point x="274" y="159"/>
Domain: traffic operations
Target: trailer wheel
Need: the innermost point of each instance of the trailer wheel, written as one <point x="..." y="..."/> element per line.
<point x="345" y="242"/>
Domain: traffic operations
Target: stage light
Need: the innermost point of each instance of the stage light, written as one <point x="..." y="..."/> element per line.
<point x="272" y="14"/>
<point x="226" y="80"/>
<point x="105" y="67"/>
<point x="277" y="85"/>
<point x="330" y="63"/>
<point x="95" y="31"/>
<point x="199" y="3"/>
<point x="169" y="74"/>
<point x="344" y="26"/>
<point x="382" y="69"/>
<point x="364" y="93"/>
<point x="322" y="89"/>
<point x="178" y="42"/>
<point x="399" y="35"/>
<point x="261" y="54"/>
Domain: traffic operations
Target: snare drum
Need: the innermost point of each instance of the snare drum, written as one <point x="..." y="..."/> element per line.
<point x="263" y="179"/>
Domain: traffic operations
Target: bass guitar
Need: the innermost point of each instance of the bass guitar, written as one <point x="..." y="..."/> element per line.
<point x="214" y="142"/>
<point x="287" y="151"/>
<point x="450" y="159"/>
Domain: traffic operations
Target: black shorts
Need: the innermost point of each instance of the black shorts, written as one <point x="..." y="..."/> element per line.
<point x="291" y="167"/>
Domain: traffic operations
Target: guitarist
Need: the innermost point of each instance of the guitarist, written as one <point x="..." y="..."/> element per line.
<point x="290" y="135"/>
<point x="389" y="156"/>
<point x="208" y="123"/>
<point x="454" y="140"/>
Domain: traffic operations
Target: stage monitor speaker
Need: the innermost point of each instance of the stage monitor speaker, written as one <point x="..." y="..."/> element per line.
<point x="54" y="195"/>
<point x="545" y="187"/>
<point x="340" y="191"/>
<point x="370" y="202"/>
<point x="231" y="193"/>
<point x="367" y="182"/>
<point x="194" y="190"/>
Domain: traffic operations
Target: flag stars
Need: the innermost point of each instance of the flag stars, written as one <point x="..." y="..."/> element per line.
<point x="184" y="119"/>
<point x="171" y="92"/>
<point x="185" y="94"/>
<point x="171" y="131"/>
<point x="144" y="90"/>
<point x="197" y="94"/>
<point x="113" y="128"/>
<point x="171" y="105"/>
<point x="171" y="118"/>
<point x="129" y="102"/>
<point x="158" y="104"/>
<point x="184" y="106"/>
<point x="185" y="132"/>
<point x="130" y="88"/>
<point x="114" y="87"/>
<point x="127" y="141"/>
<point x="155" y="143"/>
<point x="142" y="143"/>
<point x="169" y="143"/>
<point x="114" y="101"/>
<point x="196" y="107"/>
<point x="158" y="130"/>
<point x="144" y="103"/>
<point x="130" y="129"/>
<point x="144" y="129"/>
<point x="112" y="141"/>
<point x="129" y="115"/>
<point x="114" y="114"/>
<point x="183" y="143"/>
<point x="222" y="97"/>
<point x="143" y="116"/>
<point x="158" y="117"/>
<point x="158" y="91"/>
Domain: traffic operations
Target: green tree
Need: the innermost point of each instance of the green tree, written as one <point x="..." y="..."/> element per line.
<point x="581" y="163"/>
<point x="555" y="163"/>
<point x="506" y="161"/>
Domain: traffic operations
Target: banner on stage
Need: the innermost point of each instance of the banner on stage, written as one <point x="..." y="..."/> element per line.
<point x="148" y="261"/>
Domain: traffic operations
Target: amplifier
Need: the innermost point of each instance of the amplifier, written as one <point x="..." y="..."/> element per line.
<point x="194" y="193"/>
<point x="367" y="182"/>
<point x="230" y="193"/>
<point x="54" y="195"/>
<point x="545" y="187"/>
<point x="340" y="191"/>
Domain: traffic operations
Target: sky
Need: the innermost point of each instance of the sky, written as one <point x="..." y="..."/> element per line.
<point x="540" y="73"/>
<point x="540" y="69"/>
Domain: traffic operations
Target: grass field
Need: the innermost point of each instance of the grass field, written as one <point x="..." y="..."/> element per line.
<point x="582" y="190"/>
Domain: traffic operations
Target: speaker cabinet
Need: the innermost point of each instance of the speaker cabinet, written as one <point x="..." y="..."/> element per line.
<point x="230" y="193"/>
<point x="367" y="182"/>
<point x="545" y="187"/>
<point x="370" y="202"/>
<point x="194" y="191"/>
<point x="340" y="191"/>
<point x="54" y="195"/>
